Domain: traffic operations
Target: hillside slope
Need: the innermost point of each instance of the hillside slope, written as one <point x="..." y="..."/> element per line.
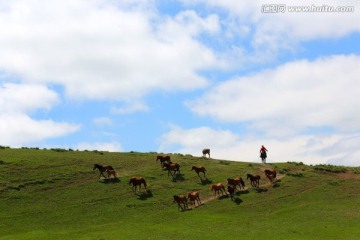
<point x="47" y="194"/>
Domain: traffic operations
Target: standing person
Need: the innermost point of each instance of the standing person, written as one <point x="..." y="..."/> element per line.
<point x="263" y="154"/>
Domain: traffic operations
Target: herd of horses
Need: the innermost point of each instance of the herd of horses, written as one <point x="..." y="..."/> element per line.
<point x="194" y="196"/>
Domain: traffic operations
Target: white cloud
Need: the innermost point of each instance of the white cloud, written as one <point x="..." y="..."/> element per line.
<point x="16" y="126"/>
<point x="26" y="97"/>
<point x="196" y="138"/>
<point x="290" y="98"/>
<point x="19" y="129"/>
<point x="271" y="32"/>
<point x="101" y="146"/>
<point x="103" y="49"/>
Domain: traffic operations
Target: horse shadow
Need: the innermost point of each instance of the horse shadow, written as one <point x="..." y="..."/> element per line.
<point x="261" y="190"/>
<point x="178" y="178"/>
<point x="237" y="201"/>
<point x="205" y="181"/>
<point x="110" y="180"/>
<point x="223" y="196"/>
<point x="145" y="195"/>
<point x="276" y="185"/>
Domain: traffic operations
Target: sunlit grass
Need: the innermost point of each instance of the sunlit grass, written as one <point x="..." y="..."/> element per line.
<point x="53" y="194"/>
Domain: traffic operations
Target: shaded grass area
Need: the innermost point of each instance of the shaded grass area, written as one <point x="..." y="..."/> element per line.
<point x="48" y="194"/>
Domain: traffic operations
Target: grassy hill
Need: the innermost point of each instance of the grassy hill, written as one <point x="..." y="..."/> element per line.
<point x="55" y="194"/>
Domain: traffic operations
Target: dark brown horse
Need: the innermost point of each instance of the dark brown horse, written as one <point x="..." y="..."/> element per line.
<point x="111" y="172"/>
<point x="231" y="190"/>
<point x="218" y="187"/>
<point x="172" y="167"/>
<point x="254" y="180"/>
<point x="263" y="156"/>
<point x="163" y="159"/>
<point x="194" y="196"/>
<point x="236" y="182"/>
<point x="102" y="169"/>
<point x="271" y="175"/>
<point x="199" y="170"/>
<point x="137" y="181"/>
<point x="206" y="151"/>
<point x="181" y="199"/>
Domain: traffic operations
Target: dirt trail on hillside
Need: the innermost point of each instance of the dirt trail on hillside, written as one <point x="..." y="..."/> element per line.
<point x="268" y="184"/>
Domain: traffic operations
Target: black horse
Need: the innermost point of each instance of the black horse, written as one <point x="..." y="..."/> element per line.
<point x="103" y="169"/>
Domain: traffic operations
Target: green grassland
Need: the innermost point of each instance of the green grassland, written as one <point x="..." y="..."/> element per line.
<point x="47" y="194"/>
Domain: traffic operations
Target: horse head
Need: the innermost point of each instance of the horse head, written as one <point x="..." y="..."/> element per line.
<point x="96" y="166"/>
<point x="144" y="182"/>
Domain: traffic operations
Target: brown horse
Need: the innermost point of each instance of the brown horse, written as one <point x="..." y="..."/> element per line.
<point x="111" y="172"/>
<point x="163" y="159"/>
<point x="199" y="170"/>
<point x="181" y="199"/>
<point x="206" y="151"/>
<point x="236" y="182"/>
<point x="254" y="180"/>
<point x="194" y="196"/>
<point x="218" y="187"/>
<point x="137" y="181"/>
<point x="172" y="167"/>
<point x="271" y="175"/>
<point x="102" y="169"/>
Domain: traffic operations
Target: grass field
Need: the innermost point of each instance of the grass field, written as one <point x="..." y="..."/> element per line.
<point x="47" y="194"/>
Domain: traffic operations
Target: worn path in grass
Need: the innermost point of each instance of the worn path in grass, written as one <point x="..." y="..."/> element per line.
<point x="246" y="189"/>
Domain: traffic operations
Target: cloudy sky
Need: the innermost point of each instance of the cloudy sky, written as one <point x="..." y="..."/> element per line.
<point x="179" y="76"/>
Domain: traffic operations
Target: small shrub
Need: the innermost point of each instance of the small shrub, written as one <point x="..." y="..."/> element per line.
<point x="58" y="150"/>
<point x="284" y="171"/>
<point x="225" y="162"/>
<point x="330" y="168"/>
<point x="297" y="174"/>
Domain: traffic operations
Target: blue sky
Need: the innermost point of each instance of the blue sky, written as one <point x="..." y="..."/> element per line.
<point x="179" y="76"/>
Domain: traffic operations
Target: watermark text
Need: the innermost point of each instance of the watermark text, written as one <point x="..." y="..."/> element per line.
<point x="282" y="8"/>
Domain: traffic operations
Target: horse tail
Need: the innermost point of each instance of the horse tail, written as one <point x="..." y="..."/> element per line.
<point x="204" y="169"/>
<point x="110" y="167"/>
